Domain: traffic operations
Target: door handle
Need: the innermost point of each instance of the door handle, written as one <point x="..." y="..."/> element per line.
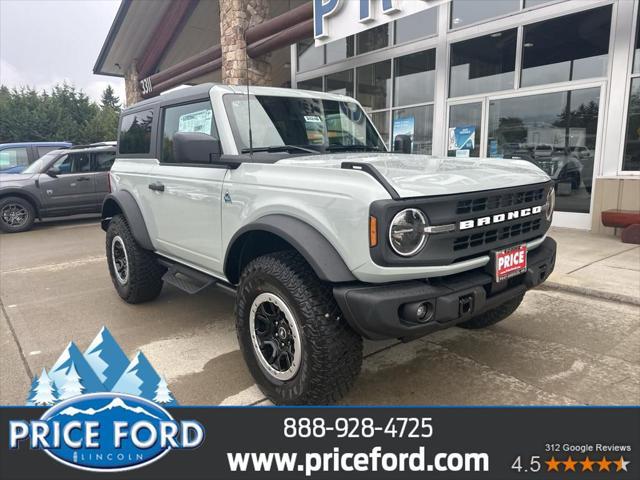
<point x="156" y="187"/>
<point x="83" y="179"/>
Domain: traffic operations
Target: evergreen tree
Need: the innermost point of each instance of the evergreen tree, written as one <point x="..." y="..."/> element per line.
<point x="45" y="391"/>
<point x="163" y="394"/>
<point x="109" y="99"/>
<point x="73" y="386"/>
<point x="32" y="391"/>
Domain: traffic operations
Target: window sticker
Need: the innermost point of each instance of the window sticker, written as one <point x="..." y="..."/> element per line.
<point x="312" y="119"/>
<point x="199" y="121"/>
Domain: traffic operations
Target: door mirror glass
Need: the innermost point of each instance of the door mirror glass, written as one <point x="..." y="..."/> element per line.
<point x="194" y="147"/>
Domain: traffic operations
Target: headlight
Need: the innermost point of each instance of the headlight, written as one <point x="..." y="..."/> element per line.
<point x="406" y="233"/>
<point x="551" y="203"/>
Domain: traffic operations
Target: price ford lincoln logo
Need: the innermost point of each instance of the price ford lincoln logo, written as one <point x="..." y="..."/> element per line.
<point x="106" y="432"/>
<point x="500" y="217"/>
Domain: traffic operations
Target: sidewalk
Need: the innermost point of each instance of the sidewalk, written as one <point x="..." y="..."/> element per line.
<point x="596" y="265"/>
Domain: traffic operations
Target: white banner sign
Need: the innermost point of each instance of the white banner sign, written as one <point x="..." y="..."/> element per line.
<point x="335" y="19"/>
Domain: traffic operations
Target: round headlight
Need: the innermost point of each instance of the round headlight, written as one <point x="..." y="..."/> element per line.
<point x="406" y="233"/>
<point x="551" y="203"/>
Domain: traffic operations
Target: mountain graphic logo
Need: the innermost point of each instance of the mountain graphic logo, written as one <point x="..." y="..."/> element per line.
<point x="102" y="368"/>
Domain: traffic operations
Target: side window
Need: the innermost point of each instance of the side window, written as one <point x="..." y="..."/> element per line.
<point x="135" y="132"/>
<point x="73" y="163"/>
<point x="13" y="157"/>
<point x="192" y="117"/>
<point x="102" y="161"/>
<point x="43" y="150"/>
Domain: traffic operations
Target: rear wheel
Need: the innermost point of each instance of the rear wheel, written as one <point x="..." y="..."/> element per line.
<point x="491" y="317"/>
<point x="135" y="272"/>
<point x="16" y="215"/>
<point x="292" y="336"/>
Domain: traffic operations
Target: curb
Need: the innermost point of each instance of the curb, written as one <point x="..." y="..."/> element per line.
<point x="590" y="292"/>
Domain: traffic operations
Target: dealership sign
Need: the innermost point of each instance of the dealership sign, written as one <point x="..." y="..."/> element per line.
<point x="335" y="19"/>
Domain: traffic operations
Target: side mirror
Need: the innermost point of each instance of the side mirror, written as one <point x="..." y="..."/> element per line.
<point x="402" y="143"/>
<point x="194" y="147"/>
<point x="53" y="172"/>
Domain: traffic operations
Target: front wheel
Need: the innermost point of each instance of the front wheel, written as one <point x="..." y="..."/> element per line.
<point x="292" y="336"/>
<point x="16" y="215"/>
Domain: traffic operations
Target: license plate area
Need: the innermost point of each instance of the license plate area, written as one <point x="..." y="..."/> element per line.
<point x="509" y="262"/>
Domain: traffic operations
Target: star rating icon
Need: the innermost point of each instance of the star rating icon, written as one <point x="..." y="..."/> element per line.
<point x="621" y="464"/>
<point x="587" y="465"/>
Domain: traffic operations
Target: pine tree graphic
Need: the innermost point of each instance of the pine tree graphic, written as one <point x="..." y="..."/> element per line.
<point x="46" y="394"/>
<point x="32" y="391"/>
<point x="163" y="394"/>
<point x="73" y="386"/>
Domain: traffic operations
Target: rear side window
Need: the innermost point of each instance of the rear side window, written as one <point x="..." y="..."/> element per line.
<point x="102" y="161"/>
<point x="135" y="132"/>
<point x="192" y="117"/>
<point x="43" y="150"/>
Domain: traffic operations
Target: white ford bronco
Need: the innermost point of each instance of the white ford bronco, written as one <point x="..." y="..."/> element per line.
<point x="291" y="199"/>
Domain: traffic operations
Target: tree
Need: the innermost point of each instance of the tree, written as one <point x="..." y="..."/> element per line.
<point x="163" y="394"/>
<point x="32" y="391"/>
<point x="109" y="99"/>
<point x="73" y="386"/>
<point x="45" y="391"/>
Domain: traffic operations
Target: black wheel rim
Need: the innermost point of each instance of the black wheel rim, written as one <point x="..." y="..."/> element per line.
<point x="14" y="215"/>
<point x="120" y="260"/>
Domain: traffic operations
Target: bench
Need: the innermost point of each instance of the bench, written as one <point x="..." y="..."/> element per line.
<point x="629" y="220"/>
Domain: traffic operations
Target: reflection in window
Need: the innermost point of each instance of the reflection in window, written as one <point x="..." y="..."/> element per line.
<point x="566" y="48"/>
<point x="381" y="121"/>
<point x="135" y="132"/>
<point x="309" y="56"/>
<point x="556" y="132"/>
<point x="340" y="82"/>
<point x="484" y="64"/>
<point x="636" y="55"/>
<point x="418" y="25"/>
<point x="466" y="12"/>
<point x="373" y="39"/>
<point x="339" y="49"/>
<point x="192" y="117"/>
<point x="631" y="159"/>
<point x="417" y="122"/>
<point x="13" y="157"/>
<point x="314" y="84"/>
<point x="374" y="85"/>
<point x="414" y="78"/>
<point x="464" y="130"/>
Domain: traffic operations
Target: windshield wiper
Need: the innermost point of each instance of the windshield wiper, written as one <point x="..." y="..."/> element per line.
<point x="279" y="148"/>
<point x="365" y="148"/>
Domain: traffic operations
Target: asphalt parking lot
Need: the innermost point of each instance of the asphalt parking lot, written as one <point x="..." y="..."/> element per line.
<point x="558" y="348"/>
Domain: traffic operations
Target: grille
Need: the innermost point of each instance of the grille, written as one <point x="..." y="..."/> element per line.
<point x="477" y="205"/>
<point x="491" y="236"/>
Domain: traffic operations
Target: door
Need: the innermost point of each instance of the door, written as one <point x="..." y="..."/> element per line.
<point x="72" y="190"/>
<point x="185" y="199"/>
<point x="101" y="163"/>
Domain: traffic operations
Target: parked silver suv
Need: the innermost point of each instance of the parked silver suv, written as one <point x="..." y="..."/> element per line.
<point x="291" y="199"/>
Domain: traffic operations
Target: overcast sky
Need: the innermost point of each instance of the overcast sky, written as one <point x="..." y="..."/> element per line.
<point x="43" y="42"/>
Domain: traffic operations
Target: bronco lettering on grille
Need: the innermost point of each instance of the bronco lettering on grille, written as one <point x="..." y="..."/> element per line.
<point x="500" y="217"/>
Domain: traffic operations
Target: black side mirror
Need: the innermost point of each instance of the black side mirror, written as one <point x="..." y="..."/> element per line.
<point x="402" y="143"/>
<point x="194" y="147"/>
<point x="53" y="172"/>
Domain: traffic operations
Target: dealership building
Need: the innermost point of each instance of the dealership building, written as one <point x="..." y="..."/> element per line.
<point x="553" y="82"/>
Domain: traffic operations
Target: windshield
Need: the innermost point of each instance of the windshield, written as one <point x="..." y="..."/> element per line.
<point x="36" y="167"/>
<point x="311" y="123"/>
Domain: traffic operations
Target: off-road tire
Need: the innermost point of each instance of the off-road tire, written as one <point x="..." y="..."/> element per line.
<point x="144" y="281"/>
<point x="491" y="317"/>
<point x="331" y="354"/>
<point x="28" y="208"/>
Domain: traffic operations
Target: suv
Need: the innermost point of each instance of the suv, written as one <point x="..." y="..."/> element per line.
<point x="62" y="182"/>
<point x="324" y="236"/>
<point x="15" y="157"/>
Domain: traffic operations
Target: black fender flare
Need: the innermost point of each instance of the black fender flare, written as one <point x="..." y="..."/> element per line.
<point x="19" y="192"/>
<point x="323" y="258"/>
<point x="123" y="202"/>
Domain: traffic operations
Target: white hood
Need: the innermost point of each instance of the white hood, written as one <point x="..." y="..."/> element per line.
<point x="423" y="175"/>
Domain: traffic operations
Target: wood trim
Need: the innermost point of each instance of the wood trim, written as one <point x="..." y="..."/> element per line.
<point x="281" y="22"/>
<point x="280" y="39"/>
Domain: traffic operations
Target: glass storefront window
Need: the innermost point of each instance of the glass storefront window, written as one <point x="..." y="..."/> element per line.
<point x="374" y="85"/>
<point x="556" y="132"/>
<point x="571" y="47"/>
<point x="309" y="56"/>
<point x="339" y="49"/>
<point x="414" y="78"/>
<point x="464" y="130"/>
<point x="381" y="121"/>
<point x="631" y="159"/>
<point x="341" y="83"/>
<point x="418" y="25"/>
<point x="466" y="12"/>
<point x="483" y="64"/>
<point x="417" y="122"/>
<point x="373" y="39"/>
<point x="314" y="84"/>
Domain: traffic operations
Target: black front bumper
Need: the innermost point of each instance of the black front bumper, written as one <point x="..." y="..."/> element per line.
<point x="380" y="311"/>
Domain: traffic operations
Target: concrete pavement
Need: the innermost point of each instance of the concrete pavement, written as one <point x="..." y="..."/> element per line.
<point x="558" y="348"/>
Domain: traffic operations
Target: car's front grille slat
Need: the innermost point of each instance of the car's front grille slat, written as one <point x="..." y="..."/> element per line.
<point x="495" y="202"/>
<point x="492" y="236"/>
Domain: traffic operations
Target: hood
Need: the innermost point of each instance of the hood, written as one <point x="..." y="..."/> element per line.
<point x="423" y="175"/>
<point x="7" y="179"/>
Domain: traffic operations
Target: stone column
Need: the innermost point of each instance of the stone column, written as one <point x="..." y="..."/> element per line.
<point x="235" y="17"/>
<point x="132" y="88"/>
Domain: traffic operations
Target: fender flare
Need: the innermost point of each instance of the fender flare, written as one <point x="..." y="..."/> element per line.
<point x="123" y="202"/>
<point x="323" y="258"/>
<point x="19" y="192"/>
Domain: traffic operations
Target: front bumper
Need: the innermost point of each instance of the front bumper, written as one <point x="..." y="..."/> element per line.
<point x="380" y="311"/>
